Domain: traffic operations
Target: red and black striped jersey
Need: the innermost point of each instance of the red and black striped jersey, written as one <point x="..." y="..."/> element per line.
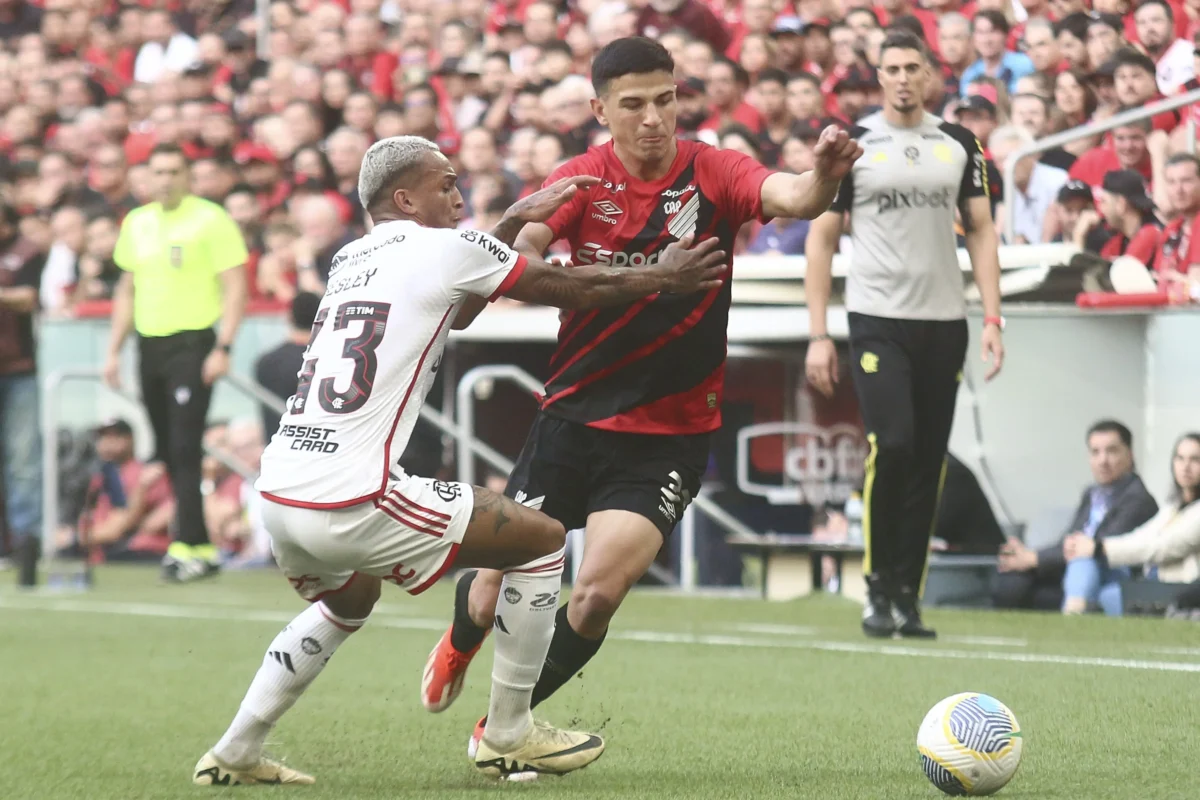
<point x="656" y="365"/>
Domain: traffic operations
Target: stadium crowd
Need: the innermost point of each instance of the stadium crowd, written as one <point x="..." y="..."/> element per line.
<point x="89" y="87"/>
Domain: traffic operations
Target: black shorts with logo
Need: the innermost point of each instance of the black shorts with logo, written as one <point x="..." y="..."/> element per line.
<point x="569" y="470"/>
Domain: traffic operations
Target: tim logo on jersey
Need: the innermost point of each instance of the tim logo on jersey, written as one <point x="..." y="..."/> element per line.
<point x="499" y="251"/>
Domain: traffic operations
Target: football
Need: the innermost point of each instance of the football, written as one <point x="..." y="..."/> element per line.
<point x="970" y="744"/>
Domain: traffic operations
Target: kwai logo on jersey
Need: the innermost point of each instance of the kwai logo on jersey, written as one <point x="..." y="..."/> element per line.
<point x="593" y="253"/>
<point x="914" y="198"/>
<point x="820" y="464"/>
<point x="498" y="250"/>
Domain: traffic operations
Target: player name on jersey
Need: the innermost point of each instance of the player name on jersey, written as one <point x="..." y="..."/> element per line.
<point x="374" y="351"/>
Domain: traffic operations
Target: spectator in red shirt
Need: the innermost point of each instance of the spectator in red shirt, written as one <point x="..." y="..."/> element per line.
<point x="239" y="67"/>
<point x="1134" y="84"/>
<point x="1070" y="34"/>
<point x="366" y="60"/>
<point x="804" y="100"/>
<point x="1129" y="225"/>
<point x="902" y="8"/>
<point x="789" y="45"/>
<point x="770" y="98"/>
<point x="1172" y="56"/>
<point x="660" y="16"/>
<point x="107" y="176"/>
<point x="1104" y="38"/>
<point x="133" y="504"/>
<point x="1041" y="47"/>
<point x="757" y="18"/>
<point x="726" y="86"/>
<point x="954" y="44"/>
<point x="692" y="98"/>
<point x="420" y="112"/>
<point x="260" y="168"/>
<point x="818" y="47"/>
<point x="855" y="93"/>
<point x="1128" y="152"/>
<point x="1178" y="250"/>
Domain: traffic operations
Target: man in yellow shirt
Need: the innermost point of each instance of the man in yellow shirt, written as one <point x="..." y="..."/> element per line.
<point x="183" y="260"/>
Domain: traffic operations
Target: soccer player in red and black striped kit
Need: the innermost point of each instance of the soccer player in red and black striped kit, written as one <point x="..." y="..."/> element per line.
<point x="622" y="438"/>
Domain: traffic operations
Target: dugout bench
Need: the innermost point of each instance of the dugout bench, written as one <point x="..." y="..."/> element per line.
<point x="791" y="569"/>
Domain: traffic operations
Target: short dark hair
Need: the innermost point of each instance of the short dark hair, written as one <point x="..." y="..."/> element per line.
<point x="903" y="40"/>
<point x="1184" y="158"/>
<point x="807" y="77"/>
<point x="632" y="55"/>
<point x="740" y="76"/>
<point x="909" y="23"/>
<point x="1075" y="24"/>
<point x="242" y="188"/>
<point x="738" y="129"/>
<point x="1128" y="57"/>
<point x="860" y="10"/>
<point x="772" y="75"/>
<point x="1144" y="124"/>
<point x="1166" y="7"/>
<point x="998" y="20"/>
<point x="304" y="310"/>
<point x="557" y="46"/>
<point x="168" y="149"/>
<point x="1112" y="426"/>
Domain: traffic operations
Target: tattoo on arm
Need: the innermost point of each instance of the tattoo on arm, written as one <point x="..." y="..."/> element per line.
<point x="507" y="230"/>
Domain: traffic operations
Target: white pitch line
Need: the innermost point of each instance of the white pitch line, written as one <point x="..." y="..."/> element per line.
<point x="656" y="637"/>
<point x="1176" y="651"/>
<point x="984" y="641"/>
<point x="805" y="630"/>
<point x="776" y="630"/>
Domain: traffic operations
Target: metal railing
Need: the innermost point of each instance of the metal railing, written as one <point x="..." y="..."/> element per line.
<point x="49" y="426"/>
<point x="1090" y="129"/>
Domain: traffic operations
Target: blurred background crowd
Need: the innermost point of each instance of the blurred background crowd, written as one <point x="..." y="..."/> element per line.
<point x="89" y="87"/>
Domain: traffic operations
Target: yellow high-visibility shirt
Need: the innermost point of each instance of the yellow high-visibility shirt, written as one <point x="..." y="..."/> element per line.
<point x="176" y="258"/>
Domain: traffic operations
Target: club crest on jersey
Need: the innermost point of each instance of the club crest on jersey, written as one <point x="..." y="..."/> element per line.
<point x="447" y="491"/>
<point x="682" y="215"/>
<point x="608" y="209"/>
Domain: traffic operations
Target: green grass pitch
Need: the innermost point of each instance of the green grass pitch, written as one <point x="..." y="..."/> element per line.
<point x="116" y="693"/>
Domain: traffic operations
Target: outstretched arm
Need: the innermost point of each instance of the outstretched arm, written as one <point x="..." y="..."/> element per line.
<point x="808" y="195"/>
<point x="522" y="228"/>
<point x="681" y="269"/>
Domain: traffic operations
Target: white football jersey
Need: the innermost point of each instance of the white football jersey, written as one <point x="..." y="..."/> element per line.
<point x="375" y="349"/>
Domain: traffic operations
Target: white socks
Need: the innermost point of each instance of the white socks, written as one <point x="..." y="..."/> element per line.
<point x="293" y="661"/>
<point x="524" y="626"/>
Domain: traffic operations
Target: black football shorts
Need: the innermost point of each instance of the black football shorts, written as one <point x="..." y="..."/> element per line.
<point x="569" y="470"/>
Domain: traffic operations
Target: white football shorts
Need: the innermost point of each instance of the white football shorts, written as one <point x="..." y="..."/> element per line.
<point x="408" y="537"/>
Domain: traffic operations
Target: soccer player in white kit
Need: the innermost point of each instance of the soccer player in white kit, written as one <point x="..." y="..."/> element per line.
<point x="344" y="517"/>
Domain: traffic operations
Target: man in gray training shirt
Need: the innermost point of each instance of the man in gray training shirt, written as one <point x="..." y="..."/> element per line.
<point x="907" y="314"/>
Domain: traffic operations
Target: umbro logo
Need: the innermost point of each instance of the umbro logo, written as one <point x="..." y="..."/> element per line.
<point x="608" y="208"/>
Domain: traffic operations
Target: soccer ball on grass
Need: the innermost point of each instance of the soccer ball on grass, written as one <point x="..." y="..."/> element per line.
<point x="970" y="744"/>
